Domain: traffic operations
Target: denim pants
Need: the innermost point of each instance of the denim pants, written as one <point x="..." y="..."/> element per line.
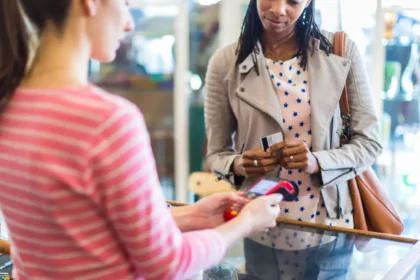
<point x="328" y="261"/>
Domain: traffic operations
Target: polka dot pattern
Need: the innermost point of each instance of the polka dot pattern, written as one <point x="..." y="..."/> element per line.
<point x="292" y="87"/>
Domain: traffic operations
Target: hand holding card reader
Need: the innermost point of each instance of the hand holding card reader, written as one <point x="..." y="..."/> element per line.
<point x="265" y="186"/>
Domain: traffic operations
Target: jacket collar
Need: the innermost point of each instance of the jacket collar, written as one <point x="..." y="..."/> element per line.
<point x="248" y="64"/>
<point x="327" y="77"/>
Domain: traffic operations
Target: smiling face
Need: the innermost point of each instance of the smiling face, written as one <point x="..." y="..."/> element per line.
<point x="278" y="16"/>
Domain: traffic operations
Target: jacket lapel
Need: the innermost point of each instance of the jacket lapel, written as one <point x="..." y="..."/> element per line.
<point x="327" y="77"/>
<point x="258" y="90"/>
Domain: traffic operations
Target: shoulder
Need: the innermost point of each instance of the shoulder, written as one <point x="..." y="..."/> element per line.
<point x="113" y="112"/>
<point x="108" y="102"/>
<point x="350" y="44"/>
<point x="116" y="119"/>
<point x="102" y="105"/>
<point x="74" y="119"/>
<point x="329" y="35"/>
<point x="88" y="107"/>
<point x="224" y="59"/>
<point x="85" y="103"/>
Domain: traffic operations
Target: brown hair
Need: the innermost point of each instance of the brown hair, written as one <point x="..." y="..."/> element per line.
<point x="14" y="37"/>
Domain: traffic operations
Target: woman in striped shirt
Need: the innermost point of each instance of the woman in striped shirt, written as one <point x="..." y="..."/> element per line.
<point x="79" y="189"/>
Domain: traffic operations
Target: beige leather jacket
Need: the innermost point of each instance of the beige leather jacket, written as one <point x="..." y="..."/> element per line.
<point x="241" y="107"/>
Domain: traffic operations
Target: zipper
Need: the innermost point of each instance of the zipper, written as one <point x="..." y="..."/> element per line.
<point x="222" y="176"/>
<point x="339" y="209"/>
<point x="341" y="175"/>
<point x="332" y="132"/>
<point x="337" y="169"/>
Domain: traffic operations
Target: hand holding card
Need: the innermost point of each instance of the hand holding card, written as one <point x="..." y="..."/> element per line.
<point x="255" y="163"/>
<point x="270" y="140"/>
<point x="295" y="154"/>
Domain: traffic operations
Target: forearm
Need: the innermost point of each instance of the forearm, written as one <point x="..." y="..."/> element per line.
<point x="222" y="162"/>
<point x="342" y="164"/>
<point x="184" y="218"/>
<point x="357" y="153"/>
<point x="234" y="230"/>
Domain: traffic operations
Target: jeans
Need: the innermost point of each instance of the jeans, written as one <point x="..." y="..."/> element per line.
<point x="328" y="261"/>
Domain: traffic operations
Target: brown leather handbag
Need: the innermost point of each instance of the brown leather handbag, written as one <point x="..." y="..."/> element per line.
<point x="373" y="211"/>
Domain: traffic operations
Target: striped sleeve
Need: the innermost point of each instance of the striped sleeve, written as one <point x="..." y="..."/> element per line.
<point x="123" y="174"/>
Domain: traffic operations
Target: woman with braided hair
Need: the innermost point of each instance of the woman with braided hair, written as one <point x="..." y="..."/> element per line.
<point x="282" y="77"/>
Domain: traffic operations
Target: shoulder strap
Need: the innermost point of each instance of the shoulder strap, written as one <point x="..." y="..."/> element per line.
<point x="340" y="50"/>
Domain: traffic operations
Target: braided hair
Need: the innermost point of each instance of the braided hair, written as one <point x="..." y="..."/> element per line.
<point x="306" y="29"/>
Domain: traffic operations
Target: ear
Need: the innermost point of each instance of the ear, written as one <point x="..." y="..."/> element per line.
<point x="90" y="6"/>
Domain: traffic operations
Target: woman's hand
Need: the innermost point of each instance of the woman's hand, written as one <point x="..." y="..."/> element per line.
<point x="208" y="211"/>
<point x="255" y="163"/>
<point x="261" y="213"/>
<point x="256" y="216"/>
<point x="295" y="154"/>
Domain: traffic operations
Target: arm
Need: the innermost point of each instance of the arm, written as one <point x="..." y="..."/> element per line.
<point x="123" y="174"/>
<point x="219" y="118"/>
<point x="364" y="146"/>
<point x="184" y="218"/>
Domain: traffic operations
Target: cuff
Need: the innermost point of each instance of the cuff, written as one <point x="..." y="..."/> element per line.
<point x="227" y="171"/>
<point x="331" y="175"/>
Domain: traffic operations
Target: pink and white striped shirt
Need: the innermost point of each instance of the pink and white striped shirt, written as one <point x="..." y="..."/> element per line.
<point x="80" y="193"/>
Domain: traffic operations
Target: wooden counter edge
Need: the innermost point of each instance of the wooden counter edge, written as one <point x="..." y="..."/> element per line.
<point x="5" y="245"/>
<point x="368" y="234"/>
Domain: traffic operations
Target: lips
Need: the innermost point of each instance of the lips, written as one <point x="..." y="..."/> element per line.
<point x="274" y="21"/>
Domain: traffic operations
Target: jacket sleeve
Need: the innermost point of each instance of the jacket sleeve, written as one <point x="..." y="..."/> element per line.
<point x="219" y="117"/>
<point x="350" y="160"/>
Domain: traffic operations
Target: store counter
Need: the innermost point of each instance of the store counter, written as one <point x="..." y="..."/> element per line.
<point x="308" y="251"/>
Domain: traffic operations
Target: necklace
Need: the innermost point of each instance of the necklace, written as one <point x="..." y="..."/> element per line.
<point x="280" y="55"/>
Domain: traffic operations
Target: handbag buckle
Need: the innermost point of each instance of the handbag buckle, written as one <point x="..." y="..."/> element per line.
<point x="345" y="131"/>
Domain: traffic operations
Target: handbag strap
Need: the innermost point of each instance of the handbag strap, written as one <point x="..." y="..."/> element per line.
<point x="339" y="45"/>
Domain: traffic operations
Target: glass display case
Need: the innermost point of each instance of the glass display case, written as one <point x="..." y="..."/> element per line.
<point x="400" y="117"/>
<point x="341" y="254"/>
<point x="310" y="252"/>
<point x="318" y="252"/>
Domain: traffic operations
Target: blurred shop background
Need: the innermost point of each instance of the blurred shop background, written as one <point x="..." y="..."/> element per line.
<point x="161" y="67"/>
